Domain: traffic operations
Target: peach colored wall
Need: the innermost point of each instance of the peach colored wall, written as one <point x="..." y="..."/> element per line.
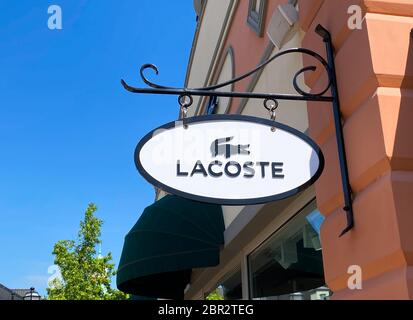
<point x="248" y="47"/>
<point x="375" y="79"/>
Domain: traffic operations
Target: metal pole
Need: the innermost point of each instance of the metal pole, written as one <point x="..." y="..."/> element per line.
<point x="348" y="207"/>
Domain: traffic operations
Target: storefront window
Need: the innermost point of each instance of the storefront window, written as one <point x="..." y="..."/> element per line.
<point x="289" y="265"/>
<point x="212" y="106"/>
<point x="228" y="289"/>
<point x="256" y="14"/>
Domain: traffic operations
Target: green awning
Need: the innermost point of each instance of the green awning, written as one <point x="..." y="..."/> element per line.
<point x="171" y="237"/>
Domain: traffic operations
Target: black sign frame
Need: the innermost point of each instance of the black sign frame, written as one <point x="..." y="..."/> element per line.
<point x="230" y="202"/>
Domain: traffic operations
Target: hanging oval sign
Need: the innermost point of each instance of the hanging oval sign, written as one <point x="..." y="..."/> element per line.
<point x="229" y="159"/>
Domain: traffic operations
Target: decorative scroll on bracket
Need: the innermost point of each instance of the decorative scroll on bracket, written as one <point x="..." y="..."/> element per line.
<point x="210" y="90"/>
<point x="202" y="91"/>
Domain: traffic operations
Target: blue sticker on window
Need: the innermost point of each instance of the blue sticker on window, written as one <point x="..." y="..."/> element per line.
<point x="315" y="219"/>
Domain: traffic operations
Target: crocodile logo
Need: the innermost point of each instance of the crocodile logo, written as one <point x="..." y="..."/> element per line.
<point x="220" y="147"/>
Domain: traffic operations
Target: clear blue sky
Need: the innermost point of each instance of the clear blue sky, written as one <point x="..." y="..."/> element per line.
<point x="68" y="129"/>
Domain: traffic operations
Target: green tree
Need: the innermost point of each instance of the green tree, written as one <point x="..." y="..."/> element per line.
<point x="86" y="275"/>
<point x="215" y="295"/>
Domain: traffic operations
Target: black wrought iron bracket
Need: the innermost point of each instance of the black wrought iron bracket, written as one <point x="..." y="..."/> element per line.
<point x="302" y="95"/>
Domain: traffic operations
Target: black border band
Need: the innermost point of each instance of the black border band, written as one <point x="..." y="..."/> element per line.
<point x="230" y="202"/>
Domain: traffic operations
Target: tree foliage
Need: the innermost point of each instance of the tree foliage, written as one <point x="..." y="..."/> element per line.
<point x="85" y="275"/>
<point x="215" y="295"/>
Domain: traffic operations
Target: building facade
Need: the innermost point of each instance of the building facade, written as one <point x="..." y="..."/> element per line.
<point x="291" y="249"/>
<point x="18" y="294"/>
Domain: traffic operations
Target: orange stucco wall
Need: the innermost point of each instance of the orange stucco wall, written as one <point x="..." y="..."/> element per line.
<point x="247" y="46"/>
<point x="375" y="79"/>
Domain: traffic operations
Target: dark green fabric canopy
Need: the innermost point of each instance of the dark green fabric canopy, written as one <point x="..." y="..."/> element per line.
<point x="171" y="237"/>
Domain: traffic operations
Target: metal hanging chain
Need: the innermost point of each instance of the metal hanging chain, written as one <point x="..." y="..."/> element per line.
<point x="185" y="101"/>
<point x="271" y="105"/>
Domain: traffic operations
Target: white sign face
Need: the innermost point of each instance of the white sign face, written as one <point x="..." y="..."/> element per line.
<point x="229" y="159"/>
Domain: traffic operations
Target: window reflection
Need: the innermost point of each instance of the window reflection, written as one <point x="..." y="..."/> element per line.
<point x="289" y="265"/>
<point x="228" y="289"/>
<point x="256" y="5"/>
